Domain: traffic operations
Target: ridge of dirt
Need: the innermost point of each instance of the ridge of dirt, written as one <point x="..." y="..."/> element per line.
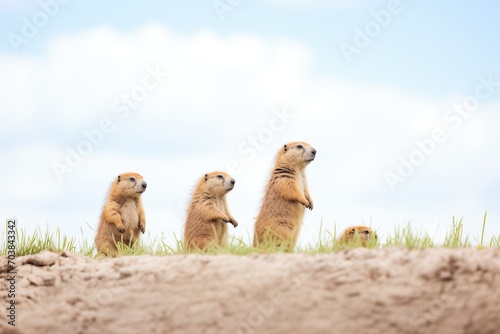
<point x="390" y="290"/>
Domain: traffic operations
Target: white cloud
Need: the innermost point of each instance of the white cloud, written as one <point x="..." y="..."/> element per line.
<point x="20" y="79"/>
<point x="29" y="176"/>
<point x="82" y="75"/>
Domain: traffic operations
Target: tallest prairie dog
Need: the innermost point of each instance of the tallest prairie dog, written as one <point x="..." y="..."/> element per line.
<point x="286" y="197"/>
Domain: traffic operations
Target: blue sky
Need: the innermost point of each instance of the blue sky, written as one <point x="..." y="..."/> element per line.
<point x="227" y="79"/>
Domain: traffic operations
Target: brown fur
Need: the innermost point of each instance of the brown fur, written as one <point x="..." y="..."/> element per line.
<point x="122" y="217"/>
<point x="208" y="214"/>
<point x="364" y="233"/>
<point x="286" y="197"/>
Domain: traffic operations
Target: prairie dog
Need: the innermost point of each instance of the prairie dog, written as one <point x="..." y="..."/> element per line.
<point x="286" y="197"/>
<point x="208" y="214"/>
<point x="364" y="233"/>
<point x="122" y="217"/>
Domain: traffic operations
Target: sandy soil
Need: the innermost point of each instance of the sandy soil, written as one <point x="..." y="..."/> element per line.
<point x="357" y="291"/>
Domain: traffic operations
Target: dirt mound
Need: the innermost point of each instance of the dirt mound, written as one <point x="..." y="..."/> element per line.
<point x="357" y="291"/>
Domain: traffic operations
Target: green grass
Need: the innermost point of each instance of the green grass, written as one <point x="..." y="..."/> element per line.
<point x="46" y="240"/>
<point x="327" y="241"/>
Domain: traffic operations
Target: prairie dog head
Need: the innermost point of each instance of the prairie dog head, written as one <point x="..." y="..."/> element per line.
<point x="130" y="184"/>
<point x="218" y="183"/>
<point x="364" y="232"/>
<point x="298" y="154"/>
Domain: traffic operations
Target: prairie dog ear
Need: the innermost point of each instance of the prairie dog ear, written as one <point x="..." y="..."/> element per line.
<point x="285" y="147"/>
<point x="352" y="231"/>
<point x="119" y="178"/>
<point x="206" y="177"/>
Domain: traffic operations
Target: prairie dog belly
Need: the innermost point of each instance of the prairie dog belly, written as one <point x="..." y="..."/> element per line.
<point x="300" y="181"/>
<point x="130" y="215"/>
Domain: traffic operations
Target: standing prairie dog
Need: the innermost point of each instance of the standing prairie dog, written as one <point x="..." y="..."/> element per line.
<point x="364" y="233"/>
<point x="286" y="197"/>
<point x="122" y="217"/>
<point x="208" y="215"/>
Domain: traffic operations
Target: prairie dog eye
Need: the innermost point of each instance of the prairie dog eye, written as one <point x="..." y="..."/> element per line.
<point x="132" y="179"/>
<point x="366" y="232"/>
<point x="300" y="147"/>
<point x="220" y="177"/>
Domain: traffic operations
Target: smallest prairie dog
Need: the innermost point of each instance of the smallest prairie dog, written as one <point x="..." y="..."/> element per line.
<point x="364" y="232"/>
<point x="208" y="215"/>
<point x="287" y="196"/>
<point x="122" y="217"/>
